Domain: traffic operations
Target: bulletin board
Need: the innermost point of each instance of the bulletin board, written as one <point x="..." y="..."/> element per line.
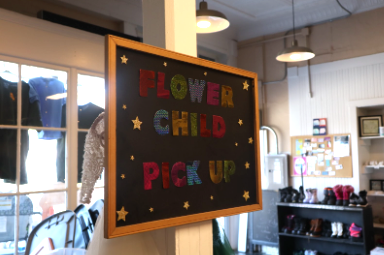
<point x="181" y="139"/>
<point x="324" y="156"/>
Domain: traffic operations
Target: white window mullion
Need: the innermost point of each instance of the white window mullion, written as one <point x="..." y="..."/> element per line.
<point x="18" y="146"/>
<point x="72" y="127"/>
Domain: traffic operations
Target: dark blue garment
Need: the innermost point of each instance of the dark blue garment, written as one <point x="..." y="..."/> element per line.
<point x="50" y="109"/>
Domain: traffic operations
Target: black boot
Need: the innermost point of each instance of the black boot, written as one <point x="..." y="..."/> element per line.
<point x="353" y="199"/>
<point x="362" y="198"/>
<point x="331" y="197"/>
<point x="301" y="194"/>
<point x="326" y="196"/>
<point x="327" y="229"/>
<point x="288" y="197"/>
<point x="282" y="194"/>
<point x="304" y="227"/>
<point x="296" y="222"/>
<point x="295" y="196"/>
<point x="288" y="224"/>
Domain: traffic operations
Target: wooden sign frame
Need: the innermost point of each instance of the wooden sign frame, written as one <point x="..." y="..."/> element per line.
<point x="111" y="228"/>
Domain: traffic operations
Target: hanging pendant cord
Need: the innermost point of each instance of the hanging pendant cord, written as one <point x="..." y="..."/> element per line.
<point x="293" y="19"/>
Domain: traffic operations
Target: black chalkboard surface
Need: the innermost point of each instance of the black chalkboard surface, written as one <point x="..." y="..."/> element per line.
<point x="182" y="139"/>
<point x="263" y="225"/>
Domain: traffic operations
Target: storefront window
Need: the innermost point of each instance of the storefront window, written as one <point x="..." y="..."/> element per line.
<point x="32" y="135"/>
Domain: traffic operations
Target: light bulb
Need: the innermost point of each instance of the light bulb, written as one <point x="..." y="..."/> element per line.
<point x="203" y="24"/>
<point x="295" y="56"/>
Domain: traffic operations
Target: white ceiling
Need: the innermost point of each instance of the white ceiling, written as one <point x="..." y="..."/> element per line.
<point x="253" y="18"/>
<point x="249" y="18"/>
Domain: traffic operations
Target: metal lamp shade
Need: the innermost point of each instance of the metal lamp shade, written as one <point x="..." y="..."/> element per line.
<point x="210" y="21"/>
<point x="295" y="54"/>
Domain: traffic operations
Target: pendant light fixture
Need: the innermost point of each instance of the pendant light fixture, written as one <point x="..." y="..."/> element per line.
<point x="210" y="21"/>
<point x="295" y="53"/>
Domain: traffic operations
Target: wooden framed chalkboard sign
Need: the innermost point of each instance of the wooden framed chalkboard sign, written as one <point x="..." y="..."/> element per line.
<point x="181" y="139"/>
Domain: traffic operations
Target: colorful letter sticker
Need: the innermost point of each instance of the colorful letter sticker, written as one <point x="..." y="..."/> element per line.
<point x="218" y="129"/>
<point x="193" y="120"/>
<point x="196" y="89"/>
<point x="178" y="166"/>
<point x="226" y="96"/>
<point x="216" y="176"/>
<point x="178" y="79"/>
<point x="180" y="123"/>
<point x="165" y="174"/>
<point x="148" y="176"/>
<point x="161" y="114"/>
<point x="147" y="80"/>
<point x="213" y="93"/>
<point x="204" y="132"/>
<point x="229" y="169"/>
<point x="192" y="176"/>
<point x="161" y="92"/>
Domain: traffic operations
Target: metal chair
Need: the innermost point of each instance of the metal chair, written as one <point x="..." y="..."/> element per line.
<point x="60" y="227"/>
<point x="85" y="224"/>
<point x="95" y="210"/>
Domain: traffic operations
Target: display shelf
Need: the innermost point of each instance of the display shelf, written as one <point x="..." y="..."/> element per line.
<point x="371" y="137"/>
<point x="325" y="239"/>
<point x="361" y="216"/>
<point x="375" y="195"/>
<point x="321" y="206"/>
<point x="378" y="225"/>
<point x="375" y="167"/>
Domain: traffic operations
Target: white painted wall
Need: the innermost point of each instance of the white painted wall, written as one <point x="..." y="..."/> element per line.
<point x="338" y="88"/>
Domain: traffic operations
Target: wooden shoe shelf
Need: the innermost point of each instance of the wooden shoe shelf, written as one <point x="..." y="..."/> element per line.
<point x="362" y="216"/>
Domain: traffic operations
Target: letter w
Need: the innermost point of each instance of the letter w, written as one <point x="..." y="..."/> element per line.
<point x="196" y="90"/>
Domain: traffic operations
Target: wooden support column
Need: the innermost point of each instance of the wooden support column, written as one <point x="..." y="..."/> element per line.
<point x="171" y="24"/>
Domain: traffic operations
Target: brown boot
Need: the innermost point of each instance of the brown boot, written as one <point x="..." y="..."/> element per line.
<point x="311" y="228"/>
<point x="318" y="228"/>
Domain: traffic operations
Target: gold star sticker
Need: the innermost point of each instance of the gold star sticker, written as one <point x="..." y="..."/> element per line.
<point x="124" y="59"/>
<point x="236" y="144"/>
<point x="165" y="63"/>
<point x="124" y="106"/>
<point x="205" y="73"/>
<point x="245" y="85"/>
<point x="250" y="140"/>
<point x="136" y="123"/>
<point x="122" y="213"/>
<point x="246" y="165"/>
<point x="122" y="176"/>
<point x="132" y="158"/>
<point x="186" y="205"/>
<point x="246" y="195"/>
<point x="151" y="209"/>
<point x="240" y="122"/>
<point x="211" y="197"/>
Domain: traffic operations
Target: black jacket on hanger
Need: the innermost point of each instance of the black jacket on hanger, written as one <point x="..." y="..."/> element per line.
<point x="30" y="116"/>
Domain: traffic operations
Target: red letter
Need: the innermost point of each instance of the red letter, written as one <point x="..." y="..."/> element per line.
<point x="178" y="166"/>
<point x="213" y="93"/>
<point x="146" y="81"/>
<point x="161" y="92"/>
<point x="204" y="132"/>
<point x="148" y="176"/>
<point x="165" y="173"/>
<point x="216" y="132"/>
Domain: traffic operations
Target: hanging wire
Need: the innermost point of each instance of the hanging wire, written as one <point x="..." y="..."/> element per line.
<point x="293" y="19"/>
<point x="342" y="7"/>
